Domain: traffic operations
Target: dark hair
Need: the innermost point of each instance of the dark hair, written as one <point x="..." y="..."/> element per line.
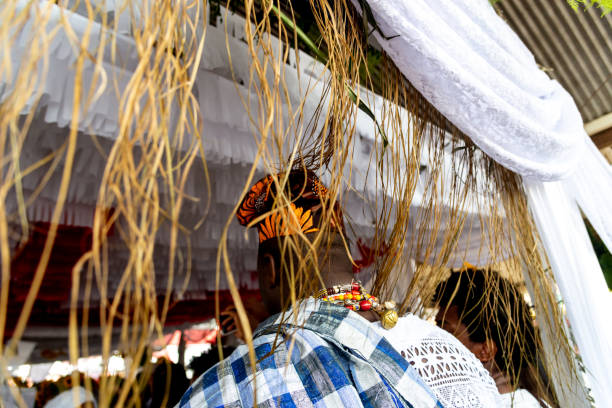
<point x="207" y="360"/>
<point x="492" y="308"/>
<point x="171" y="377"/>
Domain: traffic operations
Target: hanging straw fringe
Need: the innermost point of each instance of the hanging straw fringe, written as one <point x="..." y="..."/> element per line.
<point x="160" y="137"/>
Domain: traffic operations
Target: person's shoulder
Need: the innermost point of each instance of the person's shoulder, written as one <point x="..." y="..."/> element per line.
<point x="229" y="380"/>
<point x="216" y="387"/>
<point x="410" y="329"/>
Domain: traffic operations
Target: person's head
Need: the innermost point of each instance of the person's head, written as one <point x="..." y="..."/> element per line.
<point x="49" y="391"/>
<point x="280" y="269"/>
<point x="488" y="315"/>
<point x="286" y="258"/>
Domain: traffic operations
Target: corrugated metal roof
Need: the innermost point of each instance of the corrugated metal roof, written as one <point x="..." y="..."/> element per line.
<point x="575" y="45"/>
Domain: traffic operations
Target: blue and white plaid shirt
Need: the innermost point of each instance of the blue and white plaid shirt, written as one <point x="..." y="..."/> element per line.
<point x="326" y="356"/>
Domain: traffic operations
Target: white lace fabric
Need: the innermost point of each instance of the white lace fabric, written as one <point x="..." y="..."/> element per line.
<point x="453" y="373"/>
<point x="476" y="71"/>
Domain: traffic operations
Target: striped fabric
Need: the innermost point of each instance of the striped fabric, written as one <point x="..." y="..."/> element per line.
<point x="326" y="356"/>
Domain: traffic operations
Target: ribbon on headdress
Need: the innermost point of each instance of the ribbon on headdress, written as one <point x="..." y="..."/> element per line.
<point x="306" y="193"/>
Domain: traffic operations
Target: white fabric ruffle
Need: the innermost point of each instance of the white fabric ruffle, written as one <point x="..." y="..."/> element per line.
<point x="228" y="140"/>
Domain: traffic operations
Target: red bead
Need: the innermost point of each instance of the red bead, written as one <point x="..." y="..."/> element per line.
<point x="355" y="286"/>
<point x="349" y="307"/>
<point x="365" y="305"/>
<point x="355" y="292"/>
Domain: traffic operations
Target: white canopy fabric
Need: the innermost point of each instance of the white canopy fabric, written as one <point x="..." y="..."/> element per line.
<point x="580" y="280"/>
<point x="476" y="71"/>
<point x="591" y="188"/>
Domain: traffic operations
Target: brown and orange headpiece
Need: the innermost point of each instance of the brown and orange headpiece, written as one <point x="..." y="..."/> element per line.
<point x="306" y="193"/>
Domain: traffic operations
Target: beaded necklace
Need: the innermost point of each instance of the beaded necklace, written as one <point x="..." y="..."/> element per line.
<point x="354" y="297"/>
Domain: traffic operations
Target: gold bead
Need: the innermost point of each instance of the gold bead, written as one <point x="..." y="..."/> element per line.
<point x="388" y="319"/>
<point x="390" y="304"/>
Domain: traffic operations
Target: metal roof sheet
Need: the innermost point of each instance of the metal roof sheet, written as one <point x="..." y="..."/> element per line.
<point x="575" y="47"/>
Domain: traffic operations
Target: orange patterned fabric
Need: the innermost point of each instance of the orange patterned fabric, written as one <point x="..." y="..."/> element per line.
<point x="275" y="225"/>
<point x="306" y="192"/>
<point x="248" y="209"/>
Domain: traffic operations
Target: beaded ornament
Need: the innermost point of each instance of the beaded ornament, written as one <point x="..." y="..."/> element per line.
<point x="352" y="296"/>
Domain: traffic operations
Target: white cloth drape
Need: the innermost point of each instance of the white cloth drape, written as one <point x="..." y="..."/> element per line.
<point x="580" y="280"/>
<point x="591" y="186"/>
<point x="476" y="71"/>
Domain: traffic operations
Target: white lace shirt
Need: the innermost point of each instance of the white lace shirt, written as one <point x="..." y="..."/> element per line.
<point x="454" y="374"/>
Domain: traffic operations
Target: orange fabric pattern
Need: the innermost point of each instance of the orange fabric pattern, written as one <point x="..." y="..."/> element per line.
<point x="259" y="192"/>
<point x="275" y="225"/>
<point x="306" y="192"/>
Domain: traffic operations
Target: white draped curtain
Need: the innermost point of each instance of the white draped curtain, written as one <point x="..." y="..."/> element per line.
<point x="579" y="278"/>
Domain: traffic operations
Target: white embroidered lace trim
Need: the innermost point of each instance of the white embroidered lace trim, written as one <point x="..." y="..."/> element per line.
<point x="453" y="373"/>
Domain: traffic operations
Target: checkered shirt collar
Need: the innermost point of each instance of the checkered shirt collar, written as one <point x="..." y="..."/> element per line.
<point x="349" y="330"/>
